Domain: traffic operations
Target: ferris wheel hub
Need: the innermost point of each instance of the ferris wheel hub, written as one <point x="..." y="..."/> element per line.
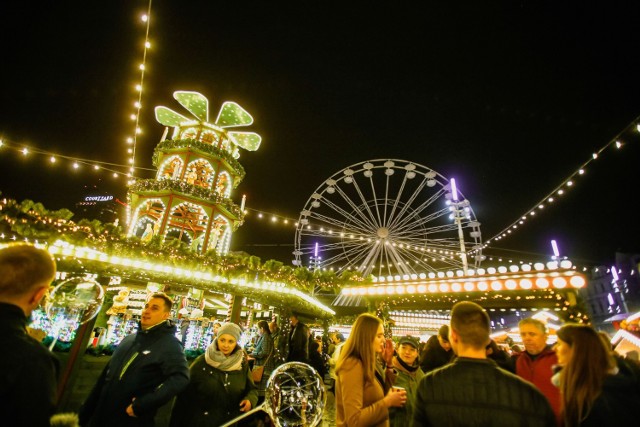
<point x="383" y="232"/>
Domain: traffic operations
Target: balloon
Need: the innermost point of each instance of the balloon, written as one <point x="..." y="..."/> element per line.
<point x="77" y="299"/>
<point x="295" y="395"/>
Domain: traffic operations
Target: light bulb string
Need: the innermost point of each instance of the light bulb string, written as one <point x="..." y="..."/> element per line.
<point x="565" y="183"/>
<point x="139" y="104"/>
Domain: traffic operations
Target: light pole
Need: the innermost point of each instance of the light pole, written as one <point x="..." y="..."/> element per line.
<point x="459" y="213"/>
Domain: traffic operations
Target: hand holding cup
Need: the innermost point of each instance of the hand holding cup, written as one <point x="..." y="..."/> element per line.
<point x="397" y="396"/>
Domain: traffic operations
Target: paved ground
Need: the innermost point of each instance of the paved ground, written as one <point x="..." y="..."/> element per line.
<point x="329" y="416"/>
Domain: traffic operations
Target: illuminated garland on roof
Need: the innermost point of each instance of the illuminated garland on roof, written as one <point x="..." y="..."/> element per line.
<point x="171" y="145"/>
<point x="205" y="194"/>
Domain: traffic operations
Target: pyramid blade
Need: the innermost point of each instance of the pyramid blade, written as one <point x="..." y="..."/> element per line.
<point x="169" y="117"/>
<point x="195" y="102"/>
<point x="231" y="114"/>
<point x="248" y="140"/>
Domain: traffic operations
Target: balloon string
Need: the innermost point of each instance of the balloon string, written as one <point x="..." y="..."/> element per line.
<point x="260" y="407"/>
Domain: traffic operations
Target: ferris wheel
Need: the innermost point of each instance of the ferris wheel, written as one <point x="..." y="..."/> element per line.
<point x="388" y="217"/>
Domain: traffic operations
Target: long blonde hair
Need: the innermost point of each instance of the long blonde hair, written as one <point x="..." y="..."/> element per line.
<point x="582" y="377"/>
<point x="359" y="345"/>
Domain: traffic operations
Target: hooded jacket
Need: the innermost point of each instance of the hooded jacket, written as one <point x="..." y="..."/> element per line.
<point x="28" y="372"/>
<point x="148" y="368"/>
<point x="402" y="416"/>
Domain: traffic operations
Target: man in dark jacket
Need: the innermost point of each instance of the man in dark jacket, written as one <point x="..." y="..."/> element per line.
<point x="146" y="371"/>
<point x="298" y="341"/>
<point x="28" y="370"/>
<point x="472" y="390"/>
<point x="437" y="351"/>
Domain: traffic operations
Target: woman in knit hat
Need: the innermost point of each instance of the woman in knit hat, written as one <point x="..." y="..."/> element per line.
<point x="221" y="387"/>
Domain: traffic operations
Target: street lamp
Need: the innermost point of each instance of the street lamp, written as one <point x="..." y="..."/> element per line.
<point x="459" y="213"/>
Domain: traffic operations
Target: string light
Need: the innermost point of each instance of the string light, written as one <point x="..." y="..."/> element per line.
<point x="132" y="141"/>
<point x="565" y="185"/>
<point x="76" y="162"/>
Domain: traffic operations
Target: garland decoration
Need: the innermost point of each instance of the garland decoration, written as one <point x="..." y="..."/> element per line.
<point x="169" y="145"/>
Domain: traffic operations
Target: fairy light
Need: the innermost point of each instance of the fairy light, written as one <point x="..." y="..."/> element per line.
<point x="135" y="117"/>
<point x="568" y="182"/>
<point x="67" y="249"/>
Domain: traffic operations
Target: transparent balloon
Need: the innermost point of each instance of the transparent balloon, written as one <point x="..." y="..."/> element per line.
<point x="75" y="300"/>
<point x="295" y="397"/>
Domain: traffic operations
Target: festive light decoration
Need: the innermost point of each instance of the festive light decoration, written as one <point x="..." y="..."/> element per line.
<point x="204" y="275"/>
<point x="500" y="279"/>
<point x="197" y="170"/>
<point x="565" y="185"/>
<point x="132" y="141"/>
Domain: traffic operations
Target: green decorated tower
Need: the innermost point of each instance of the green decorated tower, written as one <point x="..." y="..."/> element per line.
<point x="197" y="170"/>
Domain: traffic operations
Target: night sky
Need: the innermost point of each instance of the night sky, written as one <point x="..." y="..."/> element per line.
<point x="508" y="97"/>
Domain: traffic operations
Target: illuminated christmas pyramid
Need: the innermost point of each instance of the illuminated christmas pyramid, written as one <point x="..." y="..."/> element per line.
<point x="190" y="198"/>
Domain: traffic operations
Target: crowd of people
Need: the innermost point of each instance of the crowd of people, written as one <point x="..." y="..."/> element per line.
<point x="460" y="376"/>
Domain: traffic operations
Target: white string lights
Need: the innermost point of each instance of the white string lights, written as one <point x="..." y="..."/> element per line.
<point x="566" y="185"/>
<point x="132" y="140"/>
<point x="76" y="163"/>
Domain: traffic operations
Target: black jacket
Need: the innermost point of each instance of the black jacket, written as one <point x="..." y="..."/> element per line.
<point x="618" y="402"/>
<point x="299" y="343"/>
<point x="434" y="356"/>
<point x="476" y="392"/>
<point x="28" y="373"/>
<point x="213" y="396"/>
<point x="148" y="366"/>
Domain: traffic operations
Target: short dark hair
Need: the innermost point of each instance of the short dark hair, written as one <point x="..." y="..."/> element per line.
<point x="23" y="268"/>
<point x="168" y="303"/>
<point x="471" y="323"/>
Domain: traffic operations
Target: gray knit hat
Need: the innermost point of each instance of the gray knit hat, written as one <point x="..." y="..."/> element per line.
<point x="230" y="329"/>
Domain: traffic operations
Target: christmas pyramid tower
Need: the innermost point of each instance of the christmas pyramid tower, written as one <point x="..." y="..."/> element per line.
<point x="197" y="170"/>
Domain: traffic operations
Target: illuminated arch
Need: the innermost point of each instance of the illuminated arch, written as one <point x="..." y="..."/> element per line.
<point x="200" y="173"/>
<point x="189" y="218"/>
<point x="209" y="137"/>
<point x="152" y="209"/>
<point x="171" y="168"/>
<point x="224" y="184"/>
<point x="220" y="238"/>
<point x="189" y="133"/>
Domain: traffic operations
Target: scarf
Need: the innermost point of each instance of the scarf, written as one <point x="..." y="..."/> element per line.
<point x="407" y="367"/>
<point x="217" y="359"/>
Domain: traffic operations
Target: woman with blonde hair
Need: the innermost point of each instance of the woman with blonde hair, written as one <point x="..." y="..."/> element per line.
<point x="595" y="390"/>
<point x="361" y="396"/>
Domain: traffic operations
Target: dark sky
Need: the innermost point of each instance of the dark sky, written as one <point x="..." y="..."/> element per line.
<point x="509" y="97"/>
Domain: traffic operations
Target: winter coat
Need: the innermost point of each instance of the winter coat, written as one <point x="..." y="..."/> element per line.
<point x="28" y="373"/>
<point x="265" y="355"/>
<point x="434" y="356"/>
<point x="359" y="402"/>
<point x="316" y="360"/>
<point x="148" y="368"/>
<point x="213" y="396"/>
<point x="618" y="403"/>
<point x="299" y="344"/>
<point x="402" y="416"/>
<point x="539" y="372"/>
<point x="476" y="392"/>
